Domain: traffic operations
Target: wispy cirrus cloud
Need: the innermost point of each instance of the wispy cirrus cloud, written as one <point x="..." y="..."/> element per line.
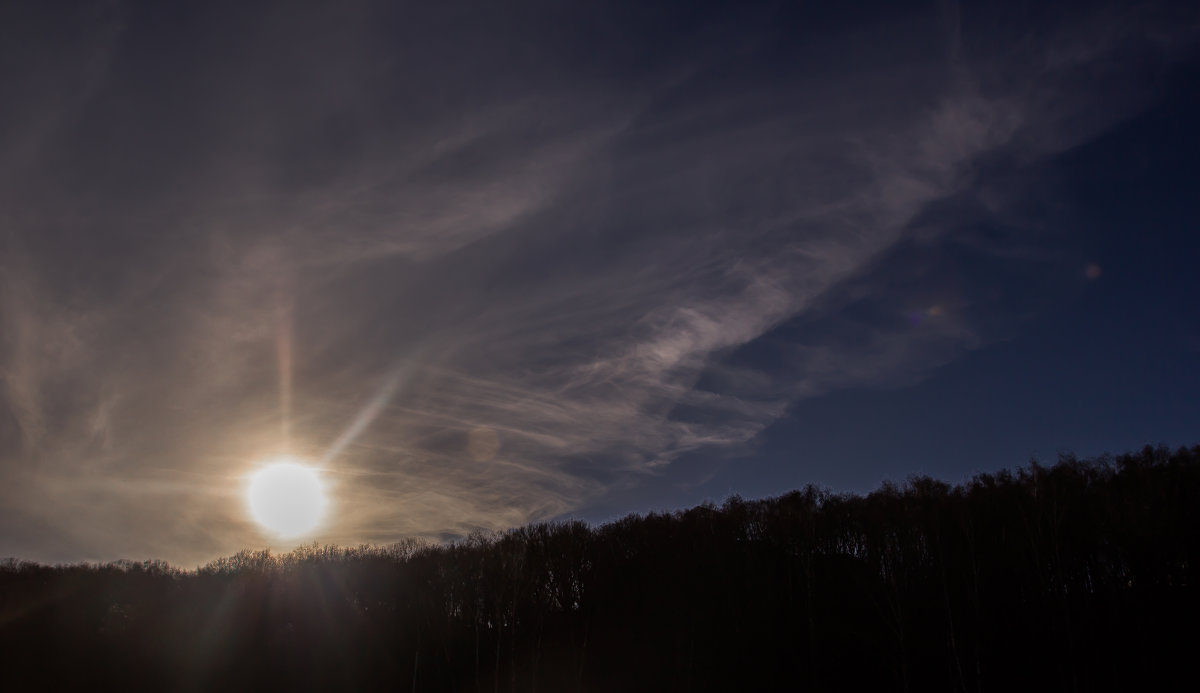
<point x="503" y="271"/>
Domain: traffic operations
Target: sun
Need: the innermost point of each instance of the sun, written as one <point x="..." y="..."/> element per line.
<point x="287" y="498"/>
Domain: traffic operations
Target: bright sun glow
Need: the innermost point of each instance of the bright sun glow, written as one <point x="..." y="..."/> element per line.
<point x="287" y="498"/>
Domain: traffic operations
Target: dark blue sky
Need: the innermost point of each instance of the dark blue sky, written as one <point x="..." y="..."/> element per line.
<point x="1096" y="365"/>
<point x="488" y="264"/>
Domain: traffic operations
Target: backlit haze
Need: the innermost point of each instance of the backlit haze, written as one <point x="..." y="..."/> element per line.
<point x="482" y="265"/>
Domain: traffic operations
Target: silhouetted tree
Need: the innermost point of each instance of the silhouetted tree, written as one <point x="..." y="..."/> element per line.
<point x="1071" y="576"/>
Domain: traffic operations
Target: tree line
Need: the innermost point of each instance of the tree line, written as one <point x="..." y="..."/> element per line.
<point x="1074" y="576"/>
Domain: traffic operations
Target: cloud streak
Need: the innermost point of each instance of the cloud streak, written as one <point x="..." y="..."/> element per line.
<point x="516" y="271"/>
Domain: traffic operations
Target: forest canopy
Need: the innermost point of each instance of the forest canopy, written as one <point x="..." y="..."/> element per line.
<point x="1071" y="576"/>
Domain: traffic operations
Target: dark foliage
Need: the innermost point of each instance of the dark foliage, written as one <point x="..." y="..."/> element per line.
<point x="1071" y="577"/>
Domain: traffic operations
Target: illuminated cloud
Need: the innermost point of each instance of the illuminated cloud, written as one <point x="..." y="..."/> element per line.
<point x="506" y="266"/>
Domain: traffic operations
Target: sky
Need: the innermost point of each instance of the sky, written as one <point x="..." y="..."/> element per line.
<point x="490" y="264"/>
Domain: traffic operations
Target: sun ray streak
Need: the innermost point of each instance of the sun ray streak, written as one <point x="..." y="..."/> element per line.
<point x="368" y="414"/>
<point x="284" y="347"/>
